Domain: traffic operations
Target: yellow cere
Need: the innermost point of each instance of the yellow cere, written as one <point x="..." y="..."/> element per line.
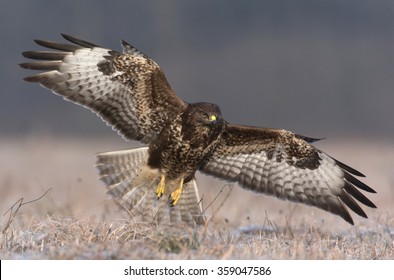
<point x="213" y="118"/>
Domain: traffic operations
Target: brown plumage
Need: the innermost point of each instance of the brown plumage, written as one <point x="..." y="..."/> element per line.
<point x="130" y="92"/>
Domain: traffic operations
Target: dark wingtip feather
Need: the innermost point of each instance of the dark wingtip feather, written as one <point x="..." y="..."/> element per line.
<point x="348" y="168"/>
<point x="350" y="189"/>
<point x="28" y="54"/>
<point x="30" y="79"/>
<point x="57" y="46"/>
<point x="42" y="65"/>
<point x="79" y="42"/>
<point x="125" y="44"/>
<point x="346" y="216"/>
<point x="358" y="183"/>
<point x="350" y="222"/>
<point x="24" y="65"/>
<point x="45" y="55"/>
<point x="336" y="205"/>
<point x="308" y="139"/>
<point x="349" y="201"/>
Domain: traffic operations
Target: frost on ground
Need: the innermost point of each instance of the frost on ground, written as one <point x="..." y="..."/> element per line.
<point x="75" y="220"/>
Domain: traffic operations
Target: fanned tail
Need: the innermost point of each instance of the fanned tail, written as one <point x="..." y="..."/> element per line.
<point x="131" y="183"/>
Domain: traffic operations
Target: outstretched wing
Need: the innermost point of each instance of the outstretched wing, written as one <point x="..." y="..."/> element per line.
<point x="128" y="90"/>
<point x="283" y="164"/>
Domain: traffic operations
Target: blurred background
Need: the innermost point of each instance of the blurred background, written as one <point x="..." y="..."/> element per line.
<point x="320" y="68"/>
<point x="308" y="66"/>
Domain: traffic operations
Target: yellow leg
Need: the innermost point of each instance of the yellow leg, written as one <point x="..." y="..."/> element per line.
<point x="160" y="187"/>
<point x="175" y="195"/>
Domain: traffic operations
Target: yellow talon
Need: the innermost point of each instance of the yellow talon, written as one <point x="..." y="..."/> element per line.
<point x="175" y="195"/>
<point x="161" y="187"/>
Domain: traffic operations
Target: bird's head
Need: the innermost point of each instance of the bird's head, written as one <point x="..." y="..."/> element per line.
<point x="206" y="114"/>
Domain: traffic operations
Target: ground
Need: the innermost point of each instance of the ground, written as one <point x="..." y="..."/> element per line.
<point x="76" y="220"/>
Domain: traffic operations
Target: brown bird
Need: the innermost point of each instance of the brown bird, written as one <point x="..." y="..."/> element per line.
<point x="130" y="92"/>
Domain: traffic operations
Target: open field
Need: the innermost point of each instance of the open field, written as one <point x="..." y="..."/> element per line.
<point x="76" y="220"/>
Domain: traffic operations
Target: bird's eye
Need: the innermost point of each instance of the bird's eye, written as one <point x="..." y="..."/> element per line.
<point x="212" y="119"/>
<point x="208" y="118"/>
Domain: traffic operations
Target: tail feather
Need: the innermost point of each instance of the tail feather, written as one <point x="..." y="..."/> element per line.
<point x="187" y="204"/>
<point x="132" y="185"/>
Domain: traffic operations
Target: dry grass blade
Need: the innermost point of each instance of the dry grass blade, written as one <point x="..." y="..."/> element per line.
<point x="13" y="210"/>
<point x="221" y="204"/>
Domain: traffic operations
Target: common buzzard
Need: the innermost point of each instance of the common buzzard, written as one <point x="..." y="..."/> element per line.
<point x="130" y="92"/>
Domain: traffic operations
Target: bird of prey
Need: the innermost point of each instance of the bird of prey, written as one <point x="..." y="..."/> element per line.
<point x="130" y="92"/>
